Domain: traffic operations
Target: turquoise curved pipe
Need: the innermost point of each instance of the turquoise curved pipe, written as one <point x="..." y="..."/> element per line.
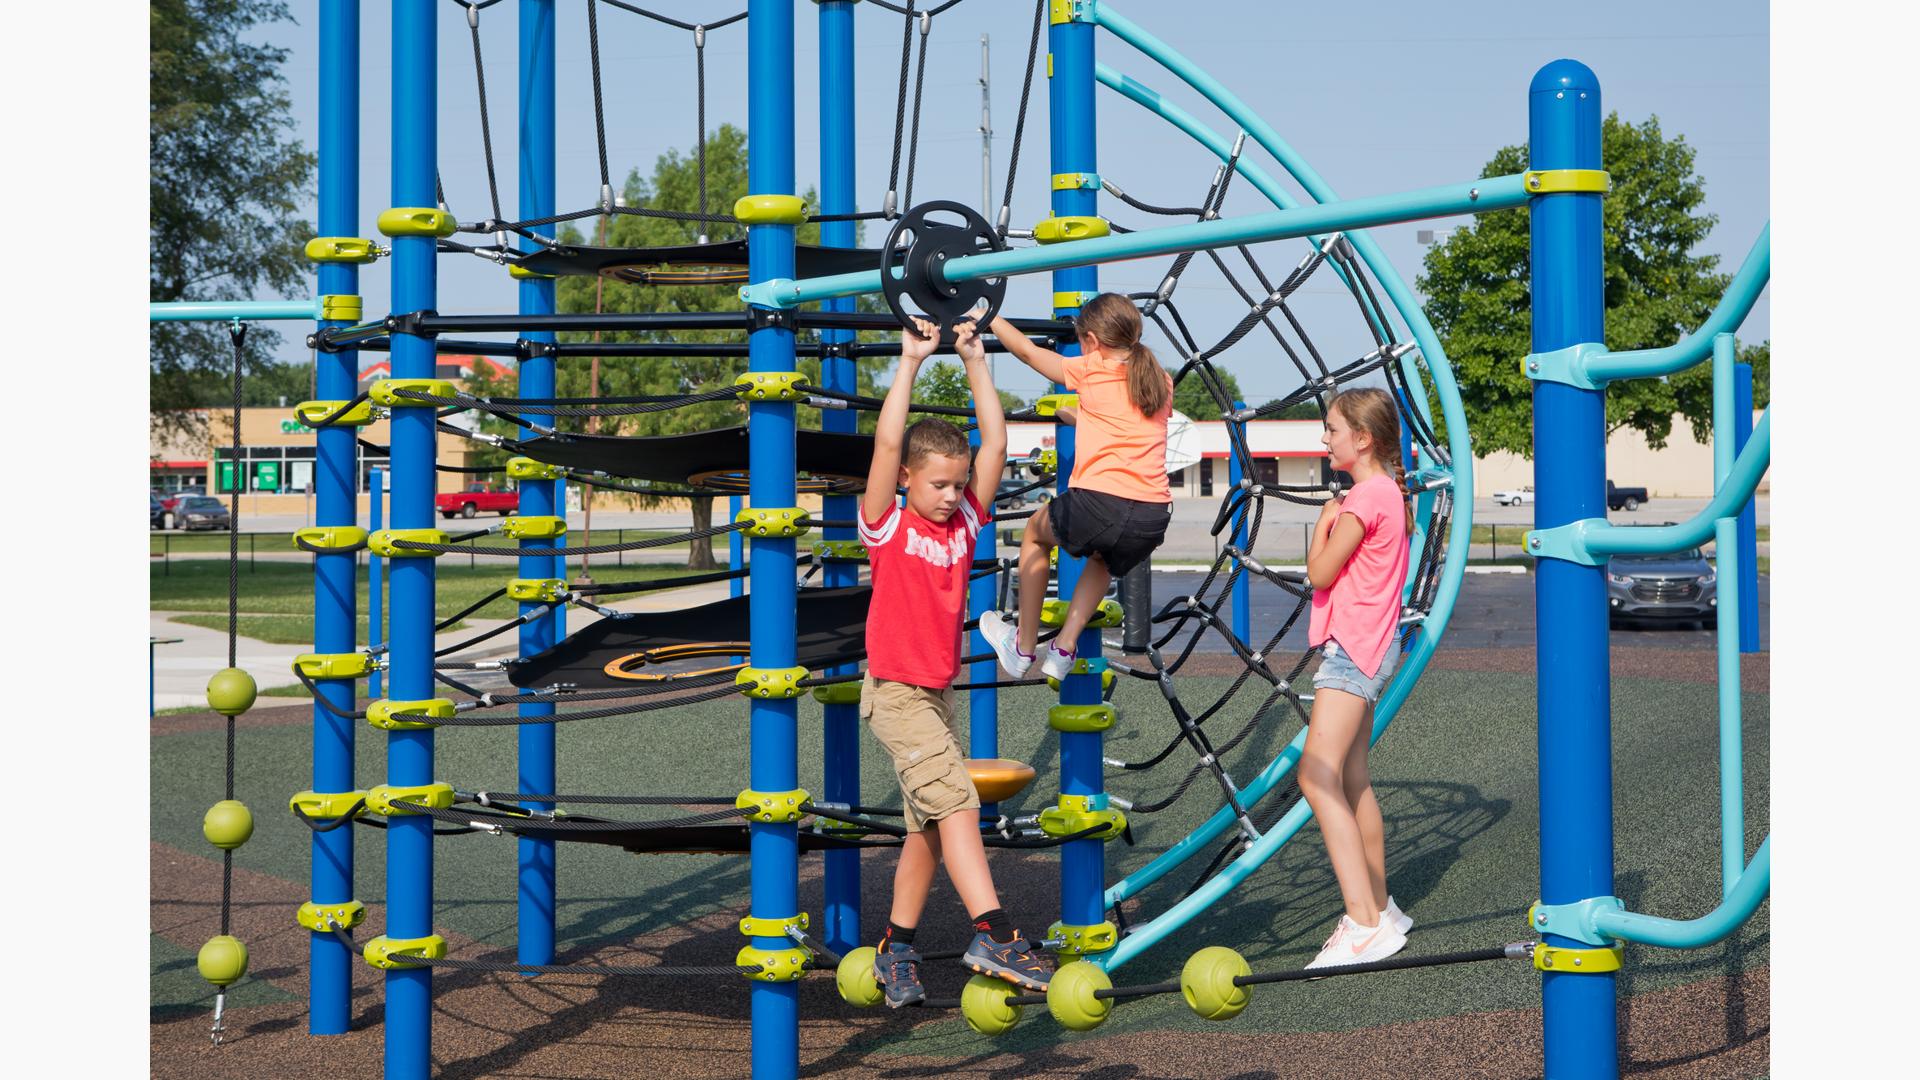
<point x="1728" y="314"/>
<point x="1740" y="903"/>
<point x="226" y="310"/>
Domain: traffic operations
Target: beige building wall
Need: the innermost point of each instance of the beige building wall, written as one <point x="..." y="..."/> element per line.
<point x="1681" y="470"/>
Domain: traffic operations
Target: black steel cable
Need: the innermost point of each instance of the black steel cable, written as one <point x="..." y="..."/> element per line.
<point x="486" y="129"/>
<point x="900" y="107"/>
<point x="237" y="332"/>
<point x="919" y="84"/>
<point x="1020" y="124"/>
<point x="599" y="109"/>
<point x="469" y="609"/>
<point x="657" y="17"/>
<point x="700" y="112"/>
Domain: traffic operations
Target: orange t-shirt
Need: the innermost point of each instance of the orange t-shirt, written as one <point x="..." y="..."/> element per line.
<point x="1117" y="450"/>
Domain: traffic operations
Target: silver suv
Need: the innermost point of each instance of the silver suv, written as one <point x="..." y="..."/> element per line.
<point x="1676" y="586"/>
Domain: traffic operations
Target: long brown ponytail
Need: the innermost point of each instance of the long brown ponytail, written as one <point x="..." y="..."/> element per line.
<point x="1116" y="322"/>
<point x="1372" y="410"/>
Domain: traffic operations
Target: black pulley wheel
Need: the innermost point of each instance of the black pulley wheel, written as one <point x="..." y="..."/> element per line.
<point x="930" y="243"/>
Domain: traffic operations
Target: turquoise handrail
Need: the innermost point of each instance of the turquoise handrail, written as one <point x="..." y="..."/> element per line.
<point x="227" y="310"/>
<point x="1727" y="568"/>
<point x="1742" y="900"/>
<point x="1728" y="314"/>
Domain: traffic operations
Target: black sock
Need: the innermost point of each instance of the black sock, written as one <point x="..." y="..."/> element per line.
<point x="994" y="923"/>
<point x="896" y="932"/>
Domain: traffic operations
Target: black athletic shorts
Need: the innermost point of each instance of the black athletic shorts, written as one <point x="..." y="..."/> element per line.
<point x="1122" y="532"/>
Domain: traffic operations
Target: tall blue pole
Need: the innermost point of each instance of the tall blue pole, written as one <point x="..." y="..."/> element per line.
<point x="337" y="464"/>
<point x="841" y="919"/>
<point x="773" y="723"/>
<point x="1242" y="583"/>
<point x="1569" y="451"/>
<point x="376" y="574"/>
<point x="736" y="548"/>
<point x="537" y="870"/>
<point x="1072" y="150"/>
<point x="1749" y="577"/>
<point x="409" y="991"/>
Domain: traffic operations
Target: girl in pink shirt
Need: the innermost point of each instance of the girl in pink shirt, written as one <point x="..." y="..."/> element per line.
<point x="1358" y="567"/>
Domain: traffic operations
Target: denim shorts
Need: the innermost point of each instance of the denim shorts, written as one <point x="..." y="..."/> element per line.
<point x="1338" y="671"/>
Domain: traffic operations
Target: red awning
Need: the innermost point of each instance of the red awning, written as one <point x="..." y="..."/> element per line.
<point x="179" y="464"/>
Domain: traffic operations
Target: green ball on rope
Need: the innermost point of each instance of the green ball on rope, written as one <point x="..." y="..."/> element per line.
<point x="228" y="824"/>
<point x="983" y="1002"/>
<point x="1207" y="983"/>
<point x="231" y="692"/>
<point x="1070" y="996"/>
<point x="223" y="960"/>
<point x="854" y="978"/>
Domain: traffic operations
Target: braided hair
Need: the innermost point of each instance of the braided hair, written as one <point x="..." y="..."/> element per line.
<point x="1373" y="411"/>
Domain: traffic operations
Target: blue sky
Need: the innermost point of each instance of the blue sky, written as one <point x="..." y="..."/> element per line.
<point x="1383" y="97"/>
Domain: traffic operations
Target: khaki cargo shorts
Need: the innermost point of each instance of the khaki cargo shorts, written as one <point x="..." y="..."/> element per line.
<point x="916" y="726"/>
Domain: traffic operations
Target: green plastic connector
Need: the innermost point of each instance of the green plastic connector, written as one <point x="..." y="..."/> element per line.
<point x="1051" y="404"/>
<point x="381" y="392"/>
<point x="398" y="715"/>
<point x="1568" y="365"/>
<point x="324" y="805"/>
<point x="521" y="273"/>
<point x="1074" y="813"/>
<point x="1047" y="461"/>
<point x="416" y="221"/>
<point x="775" y="965"/>
<point x="1083" y="940"/>
<point x="753" y="927"/>
<point x="313" y="414"/>
<point x="350" y="665"/>
<point x="536" y="590"/>
<point x="762" y="523"/>
<point x="1564" y="181"/>
<point x="1060" y="12"/>
<point x="340" y="307"/>
<point x="341" y="249"/>
<point x="389" y="800"/>
<point x="326" y="918"/>
<point x="1594" y="961"/>
<point x="770" y="683"/>
<point x="384" y="952"/>
<point x="525" y="468"/>
<point x="843" y="550"/>
<point x="1070" y="301"/>
<point x="381" y="542"/>
<point x="1109" y="614"/>
<point x="1076" y="181"/>
<point x="770" y="210"/>
<point x="533" y="527"/>
<point x="846" y="693"/>
<point x="772" y="807"/>
<point x="1060" y="230"/>
<point x="332" y="537"/>
<point x="771" y="386"/>
<point x="1106" y="676"/>
<point x="1082" y="718"/>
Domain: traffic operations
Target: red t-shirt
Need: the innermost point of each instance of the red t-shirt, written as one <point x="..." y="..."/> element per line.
<point x="919" y="592"/>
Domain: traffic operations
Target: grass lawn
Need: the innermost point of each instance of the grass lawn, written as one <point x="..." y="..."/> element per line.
<point x="278" y="543"/>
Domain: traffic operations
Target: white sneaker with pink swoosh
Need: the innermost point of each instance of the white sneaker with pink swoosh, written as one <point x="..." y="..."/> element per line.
<point x="1352" y="943"/>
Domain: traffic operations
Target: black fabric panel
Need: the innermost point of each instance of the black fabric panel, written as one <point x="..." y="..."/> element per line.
<point x="810" y="261"/>
<point x="681" y="458"/>
<point x="832" y="627"/>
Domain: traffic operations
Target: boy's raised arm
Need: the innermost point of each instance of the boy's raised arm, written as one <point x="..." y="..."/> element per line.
<point x="890" y="433"/>
<point x="990" y="461"/>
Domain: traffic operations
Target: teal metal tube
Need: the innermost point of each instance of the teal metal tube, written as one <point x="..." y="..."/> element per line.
<point x="1741" y="902"/>
<point x="1726" y="552"/>
<point x="223" y="310"/>
<point x="1597" y="538"/>
<point x="1727" y="316"/>
<point x="1499" y="193"/>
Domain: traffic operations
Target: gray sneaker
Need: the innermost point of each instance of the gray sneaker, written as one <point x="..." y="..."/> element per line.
<point x="897" y="969"/>
<point x="1015" y="961"/>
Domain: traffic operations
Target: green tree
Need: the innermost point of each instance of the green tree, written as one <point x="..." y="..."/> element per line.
<point x="1192" y="398"/>
<point x="1657" y="290"/>
<point x="1299" y="410"/>
<point x="225" y="179"/>
<point x="944" y="382"/>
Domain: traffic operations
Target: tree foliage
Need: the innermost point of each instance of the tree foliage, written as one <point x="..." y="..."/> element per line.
<point x="1192" y="398"/>
<point x="225" y="182"/>
<point x="944" y="382"/>
<point x="1657" y="290"/>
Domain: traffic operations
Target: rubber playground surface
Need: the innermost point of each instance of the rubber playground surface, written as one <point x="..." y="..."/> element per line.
<point x="1456" y="779"/>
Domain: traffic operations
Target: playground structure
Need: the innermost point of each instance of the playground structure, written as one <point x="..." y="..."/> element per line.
<point x="941" y="267"/>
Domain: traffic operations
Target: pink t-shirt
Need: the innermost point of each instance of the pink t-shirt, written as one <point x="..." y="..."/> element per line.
<point x="1362" y="608"/>
<point x="920" y="570"/>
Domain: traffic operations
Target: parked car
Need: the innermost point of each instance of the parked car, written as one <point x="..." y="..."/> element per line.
<point x="1625" y="498"/>
<point x="170" y="505"/>
<point x="201" y="512"/>
<point x="156" y="512"/>
<point x="476" y="498"/>
<point x="1003" y="502"/>
<point x="1676" y="586"/>
<point x="1514" y="497"/>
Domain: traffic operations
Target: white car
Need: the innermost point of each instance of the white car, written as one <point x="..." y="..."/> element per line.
<point x="1514" y="498"/>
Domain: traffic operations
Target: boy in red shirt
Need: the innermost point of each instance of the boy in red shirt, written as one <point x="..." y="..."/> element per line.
<point x="921" y="555"/>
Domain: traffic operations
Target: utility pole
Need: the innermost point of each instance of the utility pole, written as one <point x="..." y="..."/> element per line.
<point x="986" y="128"/>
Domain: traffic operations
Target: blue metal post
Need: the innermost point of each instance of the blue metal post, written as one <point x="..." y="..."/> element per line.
<point x="1749" y="577"/>
<point x="409" y="991"/>
<point x="736" y="548"/>
<point x="336" y="464"/>
<point x="840" y="924"/>
<point x="773" y="724"/>
<point x="1073" y="150"/>
<point x="1569" y="443"/>
<point x="376" y="574"/>
<point x="537" y="871"/>
<point x="1242" y="583"/>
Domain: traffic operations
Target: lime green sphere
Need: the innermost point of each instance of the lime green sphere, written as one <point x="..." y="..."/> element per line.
<point x="228" y="824"/>
<point x="1207" y="983"/>
<point x="983" y="1002"/>
<point x="231" y="692"/>
<point x="1070" y="996"/>
<point x="854" y="978"/>
<point x="223" y="960"/>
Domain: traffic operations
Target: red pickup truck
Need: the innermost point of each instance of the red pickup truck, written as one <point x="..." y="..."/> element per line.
<point x="476" y="498"/>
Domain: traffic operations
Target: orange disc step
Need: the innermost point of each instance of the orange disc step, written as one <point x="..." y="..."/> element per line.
<point x="998" y="779"/>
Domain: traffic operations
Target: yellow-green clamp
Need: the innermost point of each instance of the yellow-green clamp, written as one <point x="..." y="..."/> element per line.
<point x="340" y="307"/>
<point x="333" y="665"/>
<point x="770" y="682"/>
<point x="525" y="468"/>
<point x="775" y="965"/>
<point x="382" y="542"/>
<point x="331" y="537"/>
<point x="1047" y="461"/>
<point x="324" y="805"/>
<point x="1051" y="404"/>
<point x="1076" y="813"/>
<point x="1069" y="301"/>
<point x="1076" y="181"/>
<point x="1059" y="230"/>
<point x="1562" y="181"/>
<point x="342" y="249"/>
<point x="1082" y="718"/>
<point x="382" y="392"/>
<point x="1083" y="940"/>
<point x="771" y="386"/>
<point x="385" y="952"/>
<point x="417" y="221"/>
<point x="521" y="273"/>
<point x="1108" y="614"/>
<point x="1586" y="961"/>
<point x="753" y="927"/>
<point x="533" y="527"/>
<point x="536" y="590"/>
<point x="314" y="414"/>
<point x="770" y="210"/>
<point x="1060" y="12"/>
<point x="843" y="550"/>
<point x="391" y="800"/>
<point x="762" y="523"/>
<point x="399" y="715"/>
<point x="772" y="807"/>
<point x="846" y="693"/>
<point x="326" y="918"/>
